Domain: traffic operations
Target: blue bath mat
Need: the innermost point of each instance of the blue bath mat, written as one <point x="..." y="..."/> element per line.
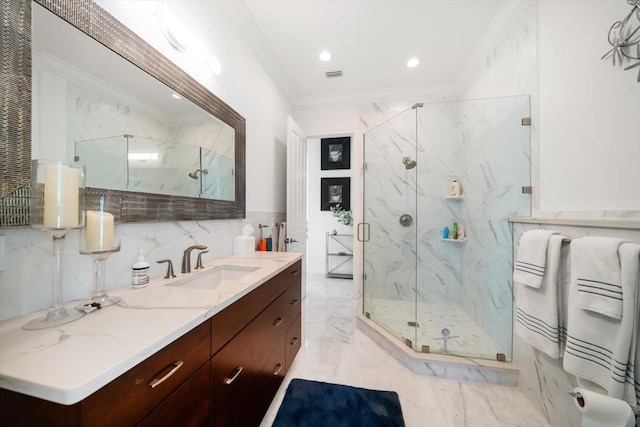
<point x="313" y="404"/>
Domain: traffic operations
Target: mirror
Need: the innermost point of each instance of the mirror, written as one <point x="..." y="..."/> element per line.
<point x="192" y="135"/>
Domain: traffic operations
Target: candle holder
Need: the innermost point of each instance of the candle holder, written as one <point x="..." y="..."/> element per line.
<point x="56" y="206"/>
<point x="98" y="240"/>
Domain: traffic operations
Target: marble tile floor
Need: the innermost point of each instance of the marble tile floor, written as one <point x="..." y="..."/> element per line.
<point x="468" y="339"/>
<point x="335" y="350"/>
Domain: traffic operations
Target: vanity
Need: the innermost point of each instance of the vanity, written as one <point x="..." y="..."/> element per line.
<point x="184" y="351"/>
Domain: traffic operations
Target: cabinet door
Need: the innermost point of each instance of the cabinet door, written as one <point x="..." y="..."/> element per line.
<point x="293" y="341"/>
<point x="128" y="398"/>
<point x="247" y="372"/>
<point x="188" y="406"/>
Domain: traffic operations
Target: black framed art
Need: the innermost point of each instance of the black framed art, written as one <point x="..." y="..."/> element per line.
<point x="335" y="153"/>
<point x="334" y="192"/>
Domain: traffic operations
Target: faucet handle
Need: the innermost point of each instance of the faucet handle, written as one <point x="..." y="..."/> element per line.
<point x="170" y="273"/>
<point x="199" y="261"/>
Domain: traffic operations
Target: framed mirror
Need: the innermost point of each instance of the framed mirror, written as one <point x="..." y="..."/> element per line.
<point x="141" y="202"/>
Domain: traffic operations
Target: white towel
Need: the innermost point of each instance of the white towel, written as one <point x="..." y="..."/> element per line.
<point x="598" y="276"/>
<point x="598" y="347"/>
<point x="538" y="310"/>
<point x="282" y="235"/>
<point x="598" y="410"/>
<point x="630" y="264"/>
<point x="530" y="263"/>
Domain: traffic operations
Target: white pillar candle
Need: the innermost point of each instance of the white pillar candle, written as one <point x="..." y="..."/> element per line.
<point x="99" y="233"/>
<point x="61" y="196"/>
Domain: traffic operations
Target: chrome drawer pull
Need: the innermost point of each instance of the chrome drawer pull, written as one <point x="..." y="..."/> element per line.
<point x="157" y="381"/>
<point x="294" y="341"/>
<point x="277" y="369"/>
<point x="234" y="374"/>
<point x="278" y="321"/>
<point x="294" y="301"/>
<point x="294" y="273"/>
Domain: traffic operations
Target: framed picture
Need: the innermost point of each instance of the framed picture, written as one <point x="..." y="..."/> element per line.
<point x="335" y="191"/>
<point x="335" y="153"/>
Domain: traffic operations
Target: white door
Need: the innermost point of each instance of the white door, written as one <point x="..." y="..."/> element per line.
<point x="296" y="237"/>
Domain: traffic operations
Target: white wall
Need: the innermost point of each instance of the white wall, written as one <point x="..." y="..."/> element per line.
<point x="589" y="111"/>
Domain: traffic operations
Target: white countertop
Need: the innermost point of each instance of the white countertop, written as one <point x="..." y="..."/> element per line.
<point x="70" y="362"/>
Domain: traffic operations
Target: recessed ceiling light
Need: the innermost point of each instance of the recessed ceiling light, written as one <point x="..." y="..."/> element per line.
<point x="413" y="62"/>
<point x="176" y="96"/>
<point x="325" y="56"/>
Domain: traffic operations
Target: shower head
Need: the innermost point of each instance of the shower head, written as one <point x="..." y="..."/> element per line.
<point x="194" y="175"/>
<point x="408" y="163"/>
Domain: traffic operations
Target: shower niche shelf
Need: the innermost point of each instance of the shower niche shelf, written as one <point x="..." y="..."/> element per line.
<point x="339" y="256"/>
<point x="454" y="198"/>
<point x="453" y="240"/>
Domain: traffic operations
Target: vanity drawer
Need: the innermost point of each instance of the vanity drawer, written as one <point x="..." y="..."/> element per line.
<point x="293" y="341"/>
<point x="189" y="405"/>
<point x="127" y="399"/>
<point x="293" y="273"/>
<point x="226" y="324"/>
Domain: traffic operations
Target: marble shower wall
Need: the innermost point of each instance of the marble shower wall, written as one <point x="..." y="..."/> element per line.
<point x="481" y="143"/>
<point x="542" y="379"/>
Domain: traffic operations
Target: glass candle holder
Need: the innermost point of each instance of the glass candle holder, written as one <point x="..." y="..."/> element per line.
<point x="56" y="206"/>
<point x="98" y="239"/>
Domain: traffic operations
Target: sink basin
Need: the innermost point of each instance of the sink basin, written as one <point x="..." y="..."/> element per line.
<point x="211" y="279"/>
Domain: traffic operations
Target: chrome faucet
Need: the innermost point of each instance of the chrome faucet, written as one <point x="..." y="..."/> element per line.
<point x="186" y="258"/>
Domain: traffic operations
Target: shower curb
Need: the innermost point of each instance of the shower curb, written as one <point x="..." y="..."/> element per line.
<point x="439" y="365"/>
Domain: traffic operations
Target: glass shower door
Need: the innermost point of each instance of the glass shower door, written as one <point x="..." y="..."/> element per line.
<point x="389" y="187"/>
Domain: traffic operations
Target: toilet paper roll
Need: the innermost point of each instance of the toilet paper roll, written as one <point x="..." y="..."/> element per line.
<point x="599" y="410"/>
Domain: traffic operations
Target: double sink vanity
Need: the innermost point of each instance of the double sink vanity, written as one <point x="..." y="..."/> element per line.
<point x="208" y="348"/>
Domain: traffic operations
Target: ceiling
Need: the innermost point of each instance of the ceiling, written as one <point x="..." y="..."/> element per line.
<point x="370" y="40"/>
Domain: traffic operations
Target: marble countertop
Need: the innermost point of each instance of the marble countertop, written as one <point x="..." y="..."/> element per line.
<point x="70" y="362"/>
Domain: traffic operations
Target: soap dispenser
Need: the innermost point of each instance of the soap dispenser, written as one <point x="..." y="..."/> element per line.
<point x="140" y="271"/>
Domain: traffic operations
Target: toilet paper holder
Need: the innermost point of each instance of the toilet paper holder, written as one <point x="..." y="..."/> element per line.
<point x="578" y="396"/>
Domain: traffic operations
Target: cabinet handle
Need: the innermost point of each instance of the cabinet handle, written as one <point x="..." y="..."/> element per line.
<point x="294" y="341"/>
<point x="277" y="369"/>
<point x="278" y="321"/>
<point x="294" y="301"/>
<point x="295" y="272"/>
<point x="157" y="381"/>
<point x="233" y="375"/>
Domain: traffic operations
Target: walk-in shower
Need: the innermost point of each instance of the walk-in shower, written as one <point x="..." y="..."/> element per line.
<point x="437" y="294"/>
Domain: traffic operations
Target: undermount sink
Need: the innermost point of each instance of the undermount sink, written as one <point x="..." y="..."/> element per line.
<point x="211" y="279"/>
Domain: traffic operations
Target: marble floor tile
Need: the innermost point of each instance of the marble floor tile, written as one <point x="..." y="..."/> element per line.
<point x="335" y="350"/>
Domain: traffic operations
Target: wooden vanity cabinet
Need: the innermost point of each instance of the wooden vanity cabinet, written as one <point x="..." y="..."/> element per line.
<point x="129" y="398"/>
<point x="248" y="370"/>
<point x="194" y="378"/>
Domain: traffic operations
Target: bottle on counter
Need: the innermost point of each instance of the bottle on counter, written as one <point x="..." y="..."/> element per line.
<point x="454" y="189"/>
<point x="140" y="272"/>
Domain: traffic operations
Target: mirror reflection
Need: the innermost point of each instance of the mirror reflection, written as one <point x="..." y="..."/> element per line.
<point x="131" y="163"/>
<point x="131" y="131"/>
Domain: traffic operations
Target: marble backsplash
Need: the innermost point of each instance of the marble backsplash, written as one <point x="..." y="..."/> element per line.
<point x="26" y="284"/>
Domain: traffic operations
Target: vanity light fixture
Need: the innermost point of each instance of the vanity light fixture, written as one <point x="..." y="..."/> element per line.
<point x="413" y="62"/>
<point x="325" y="56"/>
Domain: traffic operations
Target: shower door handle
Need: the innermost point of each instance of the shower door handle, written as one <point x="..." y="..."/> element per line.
<point x="361" y="226"/>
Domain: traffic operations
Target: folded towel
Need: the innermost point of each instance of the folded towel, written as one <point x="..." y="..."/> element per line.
<point x="282" y="235"/>
<point x="530" y="263"/>
<point x="598" y="347"/>
<point x="630" y="264"/>
<point x="538" y="310"/>
<point x="598" y="276"/>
